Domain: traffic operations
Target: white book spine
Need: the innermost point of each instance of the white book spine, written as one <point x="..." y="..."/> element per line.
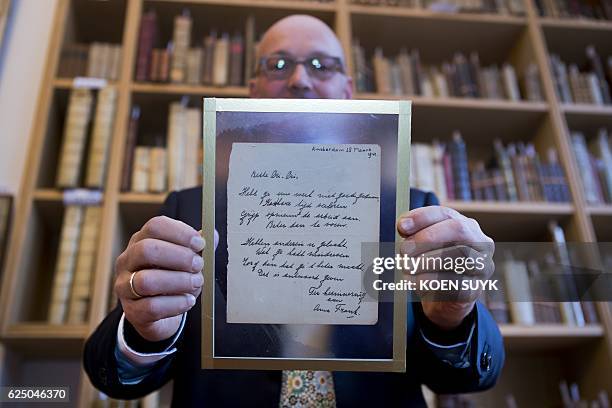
<point x="101" y="138"/>
<point x="65" y="264"/>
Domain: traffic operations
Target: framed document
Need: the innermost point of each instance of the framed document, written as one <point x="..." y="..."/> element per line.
<point x="302" y="193"/>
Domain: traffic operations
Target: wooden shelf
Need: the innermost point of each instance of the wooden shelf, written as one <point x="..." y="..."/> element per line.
<point x="66" y="83"/>
<point x="46" y="331"/>
<point x="587" y="109"/>
<point x="487" y="18"/>
<point x="47" y="194"/>
<point x="47" y="341"/>
<point x="514" y="222"/>
<point x="142" y="198"/>
<point x="600" y="210"/>
<point x="511" y="207"/>
<point x="576" y="23"/>
<point x="274" y="4"/>
<point x="228" y="91"/>
<point x="465" y="103"/>
<point x="547" y="337"/>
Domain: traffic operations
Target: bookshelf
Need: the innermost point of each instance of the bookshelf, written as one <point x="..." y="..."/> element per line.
<point x="28" y="342"/>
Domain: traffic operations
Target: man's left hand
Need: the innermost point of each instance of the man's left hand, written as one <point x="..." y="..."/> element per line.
<point x="442" y="231"/>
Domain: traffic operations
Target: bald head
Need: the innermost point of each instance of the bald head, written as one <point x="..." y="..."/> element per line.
<point x="305" y="30"/>
<point x="300" y="36"/>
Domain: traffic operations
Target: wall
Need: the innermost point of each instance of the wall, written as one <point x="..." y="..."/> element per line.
<point x="21" y="68"/>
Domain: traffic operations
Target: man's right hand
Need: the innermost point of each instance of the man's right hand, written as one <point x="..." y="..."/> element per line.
<point x="164" y="258"/>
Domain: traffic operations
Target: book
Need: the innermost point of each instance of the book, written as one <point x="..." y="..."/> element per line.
<point x="146" y="41"/>
<point x="209" y="57"/>
<point x="193" y="137"/>
<point x="195" y="57"/>
<point x="221" y="61"/>
<point x="176" y="143"/>
<point x="101" y="136"/>
<point x="130" y="146"/>
<point x="583" y="159"/>
<point x="65" y="264"/>
<point x="531" y="83"/>
<point x="504" y="163"/>
<point x="560" y="76"/>
<point x="163" y="72"/>
<point x="510" y="83"/>
<point x="80" y="294"/>
<point x="249" y="49"/>
<point x="181" y="39"/>
<point x="381" y="72"/>
<point x="571" y="311"/>
<point x="458" y="155"/>
<point x="74" y="138"/>
<point x="157" y="169"/>
<point x="236" y="60"/>
<point x="438" y="170"/>
<point x="73" y="60"/>
<point x="518" y="289"/>
<point x="140" y="170"/>
<point x="600" y="149"/>
<point x="422" y="171"/>
<point x="544" y="312"/>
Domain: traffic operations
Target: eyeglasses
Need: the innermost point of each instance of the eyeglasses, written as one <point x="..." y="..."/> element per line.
<point x="282" y="67"/>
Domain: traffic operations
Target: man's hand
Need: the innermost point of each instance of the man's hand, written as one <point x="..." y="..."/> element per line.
<point x="164" y="259"/>
<point x="440" y="231"/>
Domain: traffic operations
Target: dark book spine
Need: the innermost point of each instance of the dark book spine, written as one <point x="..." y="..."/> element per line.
<point x="146" y="41"/>
<point x="236" y="56"/>
<point x="461" y="177"/>
<point x="130" y="146"/>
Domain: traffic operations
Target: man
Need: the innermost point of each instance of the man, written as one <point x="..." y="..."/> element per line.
<point x="154" y="333"/>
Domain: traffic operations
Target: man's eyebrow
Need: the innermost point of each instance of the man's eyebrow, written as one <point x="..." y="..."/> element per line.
<point x="311" y="54"/>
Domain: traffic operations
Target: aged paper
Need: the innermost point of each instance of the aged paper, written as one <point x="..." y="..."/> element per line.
<point x="297" y="215"/>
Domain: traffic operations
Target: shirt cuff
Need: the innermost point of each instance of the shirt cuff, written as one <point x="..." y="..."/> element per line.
<point x="145" y="359"/>
<point x="453" y="346"/>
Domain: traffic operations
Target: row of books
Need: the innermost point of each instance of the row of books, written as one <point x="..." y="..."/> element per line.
<point x="590" y="9"/>
<point x="504" y="7"/>
<point x="159" y="168"/>
<point x="404" y="74"/>
<point x="589" y="85"/>
<point x="75" y="265"/>
<point x="81" y="135"/>
<point x="513" y="173"/>
<point x="594" y="165"/>
<point x="514" y="302"/>
<point x="95" y="60"/>
<point x="220" y="60"/>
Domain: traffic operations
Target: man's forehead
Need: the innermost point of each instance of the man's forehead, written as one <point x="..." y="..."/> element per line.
<point x="303" y="37"/>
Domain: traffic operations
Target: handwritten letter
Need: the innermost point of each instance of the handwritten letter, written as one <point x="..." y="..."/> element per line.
<point x="297" y="216"/>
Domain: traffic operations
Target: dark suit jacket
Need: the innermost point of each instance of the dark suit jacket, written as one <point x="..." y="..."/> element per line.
<point x="196" y="387"/>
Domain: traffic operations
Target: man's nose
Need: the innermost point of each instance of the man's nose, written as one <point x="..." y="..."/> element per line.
<point x="300" y="80"/>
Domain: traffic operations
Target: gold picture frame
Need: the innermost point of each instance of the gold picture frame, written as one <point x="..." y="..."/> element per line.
<point x="214" y="106"/>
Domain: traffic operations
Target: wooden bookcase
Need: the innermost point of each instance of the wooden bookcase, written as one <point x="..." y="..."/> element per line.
<point x="537" y="357"/>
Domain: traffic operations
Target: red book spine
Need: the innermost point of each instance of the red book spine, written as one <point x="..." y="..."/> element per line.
<point x="146" y="42"/>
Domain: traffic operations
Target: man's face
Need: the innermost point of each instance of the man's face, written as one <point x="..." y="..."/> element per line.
<point x="306" y="40"/>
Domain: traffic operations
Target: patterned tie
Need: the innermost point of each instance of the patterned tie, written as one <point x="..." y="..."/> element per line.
<point x="301" y="388"/>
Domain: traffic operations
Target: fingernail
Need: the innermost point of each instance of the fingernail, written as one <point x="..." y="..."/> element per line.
<point x="191" y="299"/>
<point x="407" y="224"/>
<point x="408" y="247"/>
<point x="197" y="280"/>
<point x="197" y="243"/>
<point x="197" y="263"/>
